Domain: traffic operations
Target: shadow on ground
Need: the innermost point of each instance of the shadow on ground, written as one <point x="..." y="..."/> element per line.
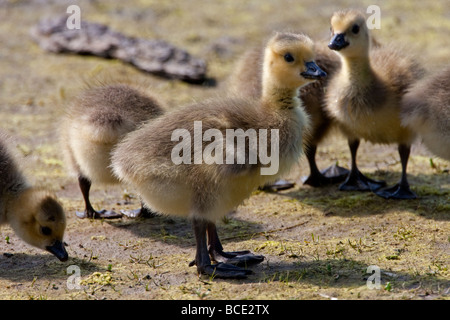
<point x="338" y="273"/>
<point x="432" y="201"/>
<point x="26" y="267"/>
<point x="178" y="231"/>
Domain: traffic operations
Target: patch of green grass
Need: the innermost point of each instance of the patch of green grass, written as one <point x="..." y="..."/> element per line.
<point x="330" y="272"/>
<point x="337" y="252"/>
<point x="393" y="257"/>
<point x="388" y="287"/>
<point x="200" y="292"/>
<point x="286" y="276"/>
<point x="404" y="233"/>
<point x="443" y="205"/>
<point x="235" y="228"/>
<point x="347" y="203"/>
<point x="280" y="248"/>
<point x="151" y="261"/>
<point x="98" y="278"/>
<point x="431" y="190"/>
<point x="166" y="236"/>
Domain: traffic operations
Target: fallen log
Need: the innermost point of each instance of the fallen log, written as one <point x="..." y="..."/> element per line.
<point x="154" y="56"/>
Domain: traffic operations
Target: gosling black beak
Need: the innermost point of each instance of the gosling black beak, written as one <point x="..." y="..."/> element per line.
<point x="338" y="42"/>
<point x="313" y="71"/>
<point x="58" y="250"/>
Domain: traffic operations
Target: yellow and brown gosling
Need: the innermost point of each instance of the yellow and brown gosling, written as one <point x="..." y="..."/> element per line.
<point x="426" y="110"/>
<point x="33" y="213"/>
<point x="364" y="97"/>
<point x="207" y="188"/>
<point x="94" y="123"/>
<point x="246" y="80"/>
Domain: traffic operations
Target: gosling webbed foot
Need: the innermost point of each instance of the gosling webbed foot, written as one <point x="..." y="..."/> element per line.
<point x="398" y="192"/>
<point x="335" y="173"/>
<point x="328" y="176"/>
<point x="359" y="182"/>
<point x="277" y="186"/>
<point x="89" y="212"/>
<point x="223" y="271"/>
<point x="316" y="180"/>
<point x="237" y="258"/>
<point x="103" y="214"/>
<point x="401" y="190"/>
<point x="143" y="213"/>
<point x="210" y="249"/>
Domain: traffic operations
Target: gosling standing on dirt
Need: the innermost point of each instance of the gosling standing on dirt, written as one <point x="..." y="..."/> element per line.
<point x="206" y="192"/>
<point x="426" y="110"/>
<point x="364" y="97"/>
<point x="246" y="80"/>
<point x="95" y="122"/>
<point x="33" y="214"/>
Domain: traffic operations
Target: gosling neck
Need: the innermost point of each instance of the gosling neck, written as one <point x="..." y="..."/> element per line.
<point x="280" y="98"/>
<point x="357" y="69"/>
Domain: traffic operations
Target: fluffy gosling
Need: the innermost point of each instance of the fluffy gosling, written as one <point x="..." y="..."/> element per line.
<point x="205" y="191"/>
<point x="94" y="123"/>
<point x="34" y="214"/>
<point x="364" y="97"/>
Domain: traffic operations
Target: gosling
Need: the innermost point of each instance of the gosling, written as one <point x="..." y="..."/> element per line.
<point x="94" y="123"/>
<point x="364" y="97"/>
<point x="426" y="110"/>
<point x="34" y="214"/>
<point x="246" y="80"/>
<point x="207" y="191"/>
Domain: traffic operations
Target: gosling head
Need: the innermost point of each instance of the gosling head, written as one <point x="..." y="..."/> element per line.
<point x="349" y="33"/>
<point x="39" y="220"/>
<point x="289" y="61"/>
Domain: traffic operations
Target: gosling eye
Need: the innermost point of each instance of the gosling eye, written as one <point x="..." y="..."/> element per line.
<point x="288" y="57"/>
<point x="355" y="29"/>
<point x="46" y="231"/>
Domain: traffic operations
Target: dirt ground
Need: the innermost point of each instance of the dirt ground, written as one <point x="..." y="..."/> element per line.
<point x="318" y="243"/>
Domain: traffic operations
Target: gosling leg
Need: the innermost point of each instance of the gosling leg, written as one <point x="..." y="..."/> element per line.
<point x="143" y="213"/>
<point x="237" y="258"/>
<point x="401" y="190"/>
<point x="330" y="175"/>
<point x="356" y="181"/>
<point x="203" y="260"/>
<point x="89" y="212"/>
